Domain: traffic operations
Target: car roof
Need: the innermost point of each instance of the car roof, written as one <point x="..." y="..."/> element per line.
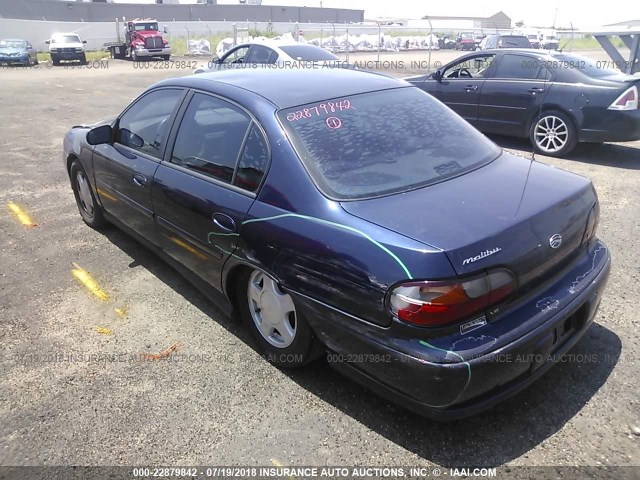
<point x="290" y="87"/>
<point x="12" y="40"/>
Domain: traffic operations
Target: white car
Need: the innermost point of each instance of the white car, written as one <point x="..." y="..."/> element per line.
<point x="275" y="53"/>
<point x="66" y="46"/>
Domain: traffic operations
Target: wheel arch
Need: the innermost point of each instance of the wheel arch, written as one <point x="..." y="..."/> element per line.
<point x="549" y="107"/>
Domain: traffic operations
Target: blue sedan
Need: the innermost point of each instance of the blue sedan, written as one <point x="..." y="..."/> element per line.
<point x="346" y="212"/>
<point x="14" y="51"/>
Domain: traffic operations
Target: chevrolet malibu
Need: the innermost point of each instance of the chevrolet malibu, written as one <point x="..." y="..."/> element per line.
<point x="346" y="212"/>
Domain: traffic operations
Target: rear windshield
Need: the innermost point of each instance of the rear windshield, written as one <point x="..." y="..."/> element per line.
<point x="385" y="142"/>
<point x="513" y="41"/>
<point x="308" y="53"/>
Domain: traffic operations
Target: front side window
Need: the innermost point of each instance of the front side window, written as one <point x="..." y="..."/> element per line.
<point x="145" y="125"/>
<point x="475" y="67"/>
<point x="210" y="137"/>
<point x="386" y="142"/>
<point x="236" y="56"/>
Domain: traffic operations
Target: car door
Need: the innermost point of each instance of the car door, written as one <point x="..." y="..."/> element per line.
<point x="207" y="183"/>
<point x="512" y="94"/>
<point x="460" y="84"/>
<point x="124" y="169"/>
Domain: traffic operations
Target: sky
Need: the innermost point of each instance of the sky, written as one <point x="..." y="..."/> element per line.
<point x="583" y="14"/>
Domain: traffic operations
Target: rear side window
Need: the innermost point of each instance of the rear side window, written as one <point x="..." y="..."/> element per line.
<point x="308" y="53"/>
<point x="386" y="142"/>
<point x="521" y="67"/>
<point x="253" y="162"/>
<point x="210" y="137"/>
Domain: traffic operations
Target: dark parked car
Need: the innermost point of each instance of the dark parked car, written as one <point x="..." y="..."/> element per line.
<point x="14" y="51"/>
<point x="346" y="211"/>
<point x="555" y="99"/>
<point x="504" y="41"/>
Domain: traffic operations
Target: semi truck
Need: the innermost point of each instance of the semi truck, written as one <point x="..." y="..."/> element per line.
<point x="142" y="39"/>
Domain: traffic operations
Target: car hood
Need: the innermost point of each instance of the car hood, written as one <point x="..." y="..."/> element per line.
<point x="105" y="121"/>
<point x="11" y="50"/>
<point x="67" y="45"/>
<point x="503" y="214"/>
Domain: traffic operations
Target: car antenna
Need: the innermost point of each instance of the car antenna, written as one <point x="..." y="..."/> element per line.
<point x="544" y="94"/>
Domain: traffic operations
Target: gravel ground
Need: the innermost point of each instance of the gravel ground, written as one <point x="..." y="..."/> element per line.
<point x="218" y="402"/>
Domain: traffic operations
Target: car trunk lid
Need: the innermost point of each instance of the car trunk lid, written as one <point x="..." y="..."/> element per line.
<point x="513" y="213"/>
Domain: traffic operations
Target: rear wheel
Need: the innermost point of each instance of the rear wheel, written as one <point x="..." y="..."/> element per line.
<point x="89" y="209"/>
<point x="553" y="134"/>
<point x="282" y="333"/>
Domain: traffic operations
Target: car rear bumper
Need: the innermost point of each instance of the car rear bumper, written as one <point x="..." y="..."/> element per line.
<point x="612" y="126"/>
<point x="450" y="384"/>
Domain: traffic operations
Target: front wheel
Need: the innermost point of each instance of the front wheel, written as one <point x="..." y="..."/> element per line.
<point x="553" y="134"/>
<point x="89" y="209"/>
<point x="282" y="333"/>
<point x="166" y="58"/>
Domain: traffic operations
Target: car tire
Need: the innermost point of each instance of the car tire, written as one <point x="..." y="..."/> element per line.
<point x="134" y="56"/>
<point x="83" y="59"/>
<point x="90" y="211"/>
<point x="553" y="133"/>
<point x="55" y="60"/>
<point x="166" y="58"/>
<point x="282" y="334"/>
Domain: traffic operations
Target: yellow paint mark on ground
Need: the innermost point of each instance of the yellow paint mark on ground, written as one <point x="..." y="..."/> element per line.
<point x="22" y="216"/>
<point x="122" y="311"/>
<point x="89" y="283"/>
<point x="104" y="331"/>
<point x="279" y="464"/>
<point x="188" y="248"/>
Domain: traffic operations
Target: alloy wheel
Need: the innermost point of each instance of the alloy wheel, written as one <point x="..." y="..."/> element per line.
<point x="551" y="134"/>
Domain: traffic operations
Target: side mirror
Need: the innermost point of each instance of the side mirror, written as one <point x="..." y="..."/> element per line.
<point x="130" y="139"/>
<point x="84" y="41"/>
<point x="48" y="42"/>
<point x="99" y="135"/>
<point x="437" y="76"/>
<point x="165" y="29"/>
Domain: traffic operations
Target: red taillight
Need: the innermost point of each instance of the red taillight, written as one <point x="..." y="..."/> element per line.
<point x="437" y="303"/>
<point x="627" y="101"/>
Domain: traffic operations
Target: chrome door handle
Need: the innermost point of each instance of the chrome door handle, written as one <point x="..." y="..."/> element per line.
<point x="139" y="180"/>
<point x="471" y="88"/>
<point x="224" y="222"/>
